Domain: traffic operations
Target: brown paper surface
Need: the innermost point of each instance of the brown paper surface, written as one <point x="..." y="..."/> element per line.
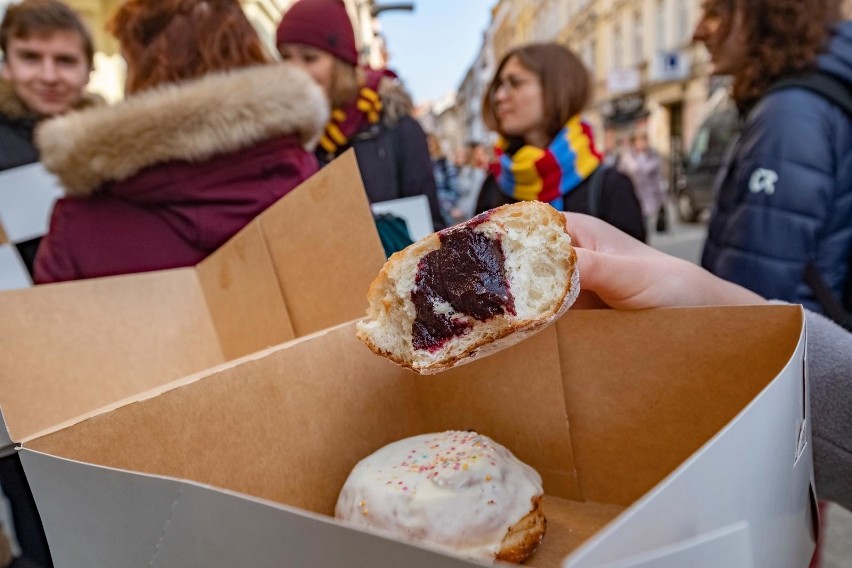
<point x="3" y="238"/>
<point x="289" y="426"/>
<point x="317" y="407"/>
<point x="515" y="397"/>
<point x="569" y="524"/>
<point x="645" y="390"/>
<point x="73" y="347"/>
<point x="243" y="294"/>
<point x="325" y="247"/>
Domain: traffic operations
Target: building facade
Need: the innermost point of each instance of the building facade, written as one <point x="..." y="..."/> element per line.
<point x="647" y="74"/>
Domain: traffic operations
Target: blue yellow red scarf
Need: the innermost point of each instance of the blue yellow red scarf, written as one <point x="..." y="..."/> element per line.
<point x="360" y="114"/>
<point x="549" y="174"/>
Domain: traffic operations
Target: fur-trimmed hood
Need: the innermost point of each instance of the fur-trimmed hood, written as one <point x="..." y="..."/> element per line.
<point x="13" y="108"/>
<point x="396" y="102"/>
<point x="190" y="121"/>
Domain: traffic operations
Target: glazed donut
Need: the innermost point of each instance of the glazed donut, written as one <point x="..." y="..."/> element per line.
<point x="472" y="289"/>
<point x="458" y="491"/>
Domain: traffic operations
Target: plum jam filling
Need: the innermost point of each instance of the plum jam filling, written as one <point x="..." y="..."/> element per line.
<point x="467" y="274"/>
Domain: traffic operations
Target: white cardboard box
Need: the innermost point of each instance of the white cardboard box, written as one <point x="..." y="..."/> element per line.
<point x="676" y="437"/>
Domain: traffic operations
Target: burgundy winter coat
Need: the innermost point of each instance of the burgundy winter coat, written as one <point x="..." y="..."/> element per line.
<point x="164" y="178"/>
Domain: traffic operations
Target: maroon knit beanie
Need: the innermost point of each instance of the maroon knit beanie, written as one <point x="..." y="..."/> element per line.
<point x="323" y="24"/>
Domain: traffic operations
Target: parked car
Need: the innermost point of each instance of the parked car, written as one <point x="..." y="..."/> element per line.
<point x="694" y="185"/>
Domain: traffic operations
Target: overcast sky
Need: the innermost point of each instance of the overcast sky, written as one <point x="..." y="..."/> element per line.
<point x="432" y="47"/>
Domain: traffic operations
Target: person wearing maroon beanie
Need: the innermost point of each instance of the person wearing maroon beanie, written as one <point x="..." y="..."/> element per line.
<point x="370" y="110"/>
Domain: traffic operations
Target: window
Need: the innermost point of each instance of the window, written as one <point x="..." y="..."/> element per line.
<point x="617" y="61"/>
<point x="638" y="39"/>
<point x="684" y="30"/>
<point x="589" y="54"/>
<point x="660" y="25"/>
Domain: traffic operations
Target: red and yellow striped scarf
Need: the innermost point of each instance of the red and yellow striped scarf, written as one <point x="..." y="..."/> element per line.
<point x="362" y="113"/>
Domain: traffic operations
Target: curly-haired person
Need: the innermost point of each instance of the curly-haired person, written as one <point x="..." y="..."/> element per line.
<point x="784" y="196"/>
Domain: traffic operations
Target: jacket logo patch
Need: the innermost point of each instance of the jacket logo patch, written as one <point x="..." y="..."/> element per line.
<point x="763" y="180"/>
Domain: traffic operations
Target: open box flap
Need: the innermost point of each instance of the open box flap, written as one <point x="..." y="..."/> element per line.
<point x="243" y="294"/>
<point x="752" y="470"/>
<point x="303" y="265"/>
<point x="325" y="247"/>
<point x="678" y="397"/>
<point x="104" y="327"/>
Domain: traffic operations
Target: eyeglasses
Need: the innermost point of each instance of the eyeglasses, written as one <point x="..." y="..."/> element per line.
<point x="510" y="84"/>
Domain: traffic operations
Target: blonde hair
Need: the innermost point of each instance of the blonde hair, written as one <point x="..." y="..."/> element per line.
<point x="346" y="80"/>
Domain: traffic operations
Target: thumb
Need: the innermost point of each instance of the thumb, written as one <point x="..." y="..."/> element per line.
<point x="619" y="281"/>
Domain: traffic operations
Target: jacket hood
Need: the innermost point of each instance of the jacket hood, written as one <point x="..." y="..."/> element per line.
<point x="837" y="58"/>
<point x="396" y="102"/>
<point x="13" y="108"/>
<point x="191" y="121"/>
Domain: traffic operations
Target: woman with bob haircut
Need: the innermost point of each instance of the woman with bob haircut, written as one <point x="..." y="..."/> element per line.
<point x="546" y="151"/>
<point x="370" y="110"/>
<point x="211" y="134"/>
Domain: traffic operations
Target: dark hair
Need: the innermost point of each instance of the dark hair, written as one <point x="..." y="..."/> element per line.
<point x="565" y="84"/>
<point x="166" y="41"/>
<point x="42" y="17"/>
<point x="784" y="37"/>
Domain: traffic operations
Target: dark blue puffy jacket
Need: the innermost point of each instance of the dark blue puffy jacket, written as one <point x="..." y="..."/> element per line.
<point x="784" y="197"/>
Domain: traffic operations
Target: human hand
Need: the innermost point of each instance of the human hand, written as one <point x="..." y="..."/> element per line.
<point x="619" y="271"/>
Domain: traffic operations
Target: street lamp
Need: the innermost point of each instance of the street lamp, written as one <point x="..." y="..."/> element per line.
<point x="377" y="9"/>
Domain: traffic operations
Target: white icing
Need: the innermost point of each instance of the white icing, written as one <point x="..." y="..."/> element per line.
<point x="459" y="491"/>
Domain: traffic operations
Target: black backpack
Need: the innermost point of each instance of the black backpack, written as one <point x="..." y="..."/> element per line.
<point x="838" y="92"/>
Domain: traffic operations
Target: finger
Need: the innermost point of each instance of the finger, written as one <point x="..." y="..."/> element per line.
<point x="588" y="300"/>
<point x="620" y="281"/>
<point x="597" y="235"/>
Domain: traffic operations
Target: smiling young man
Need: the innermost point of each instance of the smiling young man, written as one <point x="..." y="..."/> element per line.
<point x="47" y="59"/>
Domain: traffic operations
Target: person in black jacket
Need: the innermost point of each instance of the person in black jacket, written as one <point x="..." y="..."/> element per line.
<point x="47" y="58"/>
<point x="547" y="152"/>
<point x="371" y="112"/>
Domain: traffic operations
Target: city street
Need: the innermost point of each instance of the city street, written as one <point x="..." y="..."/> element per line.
<point x="685" y="240"/>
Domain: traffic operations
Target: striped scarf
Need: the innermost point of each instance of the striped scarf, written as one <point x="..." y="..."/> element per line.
<point x="362" y="113"/>
<point x="549" y="174"/>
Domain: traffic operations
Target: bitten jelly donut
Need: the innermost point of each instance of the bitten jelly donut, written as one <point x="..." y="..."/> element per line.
<point x="458" y="491"/>
<point x="472" y="289"/>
